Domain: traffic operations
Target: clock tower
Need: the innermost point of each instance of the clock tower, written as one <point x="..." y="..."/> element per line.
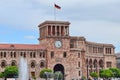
<point x="55" y="36"/>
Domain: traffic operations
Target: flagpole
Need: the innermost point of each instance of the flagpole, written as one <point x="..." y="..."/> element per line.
<point x="56" y="7"/>
<point x="54" y="12"/>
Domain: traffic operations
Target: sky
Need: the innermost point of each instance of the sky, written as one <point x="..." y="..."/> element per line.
<point x="96" y="20"/>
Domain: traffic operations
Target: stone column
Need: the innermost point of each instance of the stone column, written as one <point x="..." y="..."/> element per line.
<point x="47" y="32"/>
<point x="64" y="31"/>
<point x="55" y="30"/>
<point x="51" y="30"/>
<point x="60" y="31"/>
<point x="68" y="30"/>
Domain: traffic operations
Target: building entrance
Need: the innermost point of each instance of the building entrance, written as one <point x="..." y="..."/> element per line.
<point x="59" y="68"/>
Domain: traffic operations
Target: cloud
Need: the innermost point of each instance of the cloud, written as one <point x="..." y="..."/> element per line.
<point x="30" y="37"/>
<point x="28" y="14"/>
<point x="78" y="3"/>
<point x="97" y="20"/>
<point x="98" y="31"/>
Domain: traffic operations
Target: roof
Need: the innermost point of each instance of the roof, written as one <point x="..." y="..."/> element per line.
<point x="22" y="46"/>
<point x="54" y="22"/>
<point x="100" y="44"/>
<point x="117" y="54"/>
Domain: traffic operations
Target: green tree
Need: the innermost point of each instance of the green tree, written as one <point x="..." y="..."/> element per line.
<point x="115" y="72"/>
<point x="58" y="75"/>
<point x="11" y="72"/>
<point x="84" y="78"/>
<point x="106" y="73"/>
<point x="44" y="73"/>
<point x="94" y="74"/>
<point x="1" y="75"/>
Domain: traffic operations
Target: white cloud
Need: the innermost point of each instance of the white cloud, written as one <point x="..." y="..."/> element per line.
<point x="97" y="20"/>
<point x="30" y="37"/>
<point x="97" y="31"/>
<point x="71" y="3"/>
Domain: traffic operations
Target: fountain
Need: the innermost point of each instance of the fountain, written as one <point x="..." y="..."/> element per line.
<point x="23" y="69"/>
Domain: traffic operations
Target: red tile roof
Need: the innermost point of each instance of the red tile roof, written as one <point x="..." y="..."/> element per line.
<point x="22" y="46"/>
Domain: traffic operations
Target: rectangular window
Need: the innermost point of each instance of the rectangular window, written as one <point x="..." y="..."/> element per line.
<point x="14" y="54"/>
<point x="43" y="54"/>
<point x="52" y="54"/>
<point x="64" y="54"/>
<point x="4" y="54"/>
<point x="34" y="55"/>
<point x="30" y="54"/>
<point x="72" y="43"/>
<point x="78" y="55"/>
<point x="79" y="73"/>
<point x="108" y="51"/>
<point x="109" y="64"/>
<point x="40" y="54"/>
<point x="21" y="54"/>
<point x="78" y="64"/>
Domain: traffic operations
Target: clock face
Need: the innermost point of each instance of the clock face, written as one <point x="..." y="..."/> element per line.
<point x="58" y="44"/>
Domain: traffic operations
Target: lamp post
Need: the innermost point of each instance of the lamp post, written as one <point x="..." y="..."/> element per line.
<point x="96" y="68"/>
<point x="58" y="74"/>
<point x="46" y="73"/>
<point x="96" y="71"/>
<point x="87" y="71"/>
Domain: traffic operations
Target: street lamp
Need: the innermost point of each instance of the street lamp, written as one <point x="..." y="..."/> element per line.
<point x="87" y="71"/>
<point x="96" y="68"/>
<point x="58" y="74"/>
<point x="46" y="73"/>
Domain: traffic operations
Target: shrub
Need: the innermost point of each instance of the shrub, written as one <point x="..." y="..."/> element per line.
<point x="94" y="74"/>
<point x="1" y="75"/>
<point x="44" y="71"/>
<point x="58" y="75"/>
<point x="11" y="72"/>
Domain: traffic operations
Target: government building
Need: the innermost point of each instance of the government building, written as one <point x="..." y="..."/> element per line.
<point x="74" y="56"/>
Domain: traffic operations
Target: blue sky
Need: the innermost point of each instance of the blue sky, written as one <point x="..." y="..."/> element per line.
<point x="96" y="20"/>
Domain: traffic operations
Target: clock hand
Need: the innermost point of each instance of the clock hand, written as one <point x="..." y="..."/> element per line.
<point x="58" y="45"/>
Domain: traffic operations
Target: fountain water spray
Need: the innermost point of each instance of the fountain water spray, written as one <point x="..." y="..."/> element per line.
<point x="23" y="69"/>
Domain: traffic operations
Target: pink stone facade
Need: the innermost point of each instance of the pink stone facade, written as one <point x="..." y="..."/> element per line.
<point x="73" y="56"/>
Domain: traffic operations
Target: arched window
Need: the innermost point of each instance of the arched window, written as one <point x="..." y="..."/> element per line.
<point x="32" y="64"/>
<point x="13" y="64"/>
<point x="101" y="63"/>
<point x="95" y="63"/>
<point x="42" y="64"/>
<point x="3" y="64"/>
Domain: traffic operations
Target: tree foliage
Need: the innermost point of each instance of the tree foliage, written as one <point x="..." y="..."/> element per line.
<point x="94" y="74"/>
<point x="58" y="75"/>
<point x="115" y="72"/>
<point x="106" y="73"/>
<point x="11" y="72"/>
<point x="1" y="75"/>
<point x="43" y="73"/>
